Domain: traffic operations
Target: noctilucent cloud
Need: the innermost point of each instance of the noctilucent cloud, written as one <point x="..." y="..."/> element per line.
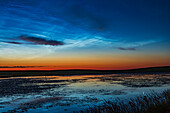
<point x="84" y="34"/>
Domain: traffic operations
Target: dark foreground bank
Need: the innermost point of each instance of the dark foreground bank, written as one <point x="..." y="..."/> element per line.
<point x="151" y="103"/>
<point x="4" y="74"/>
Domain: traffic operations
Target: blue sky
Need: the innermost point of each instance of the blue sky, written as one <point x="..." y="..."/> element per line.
<point x="30" y="27"/>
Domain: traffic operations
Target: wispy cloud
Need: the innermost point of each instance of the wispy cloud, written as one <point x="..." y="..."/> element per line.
<point x="132" y="49"/>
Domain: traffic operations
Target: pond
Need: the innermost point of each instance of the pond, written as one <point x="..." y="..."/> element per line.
<point x="66" y="94"/>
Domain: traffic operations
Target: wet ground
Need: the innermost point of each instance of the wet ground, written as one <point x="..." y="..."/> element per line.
<point x="56" y="94"/>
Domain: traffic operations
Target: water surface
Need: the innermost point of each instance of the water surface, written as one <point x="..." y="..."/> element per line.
<point x="66" y="94"/>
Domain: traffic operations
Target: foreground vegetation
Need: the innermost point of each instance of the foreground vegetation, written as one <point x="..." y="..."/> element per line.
<point x="151" y="103"/>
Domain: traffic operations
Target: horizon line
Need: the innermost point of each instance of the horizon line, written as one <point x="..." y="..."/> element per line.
<point x="88" y="69"/>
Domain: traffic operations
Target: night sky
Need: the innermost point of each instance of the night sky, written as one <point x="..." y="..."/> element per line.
<point x="84" y="34"/>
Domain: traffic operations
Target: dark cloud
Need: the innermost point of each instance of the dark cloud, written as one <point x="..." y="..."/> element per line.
<point x="86" y="19"/>
<point x="14" y="42"/>
<point x="20" y="66"/>
<point x="24" y="39"/>
<point x="41" y="41"/>
<point x="132" y="49"/>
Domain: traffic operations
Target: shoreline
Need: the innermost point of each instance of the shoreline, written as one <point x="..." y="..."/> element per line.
<point x="150" y="70"/>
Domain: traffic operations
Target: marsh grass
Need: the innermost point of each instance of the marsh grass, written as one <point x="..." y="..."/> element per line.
<point x="150" y="103"/>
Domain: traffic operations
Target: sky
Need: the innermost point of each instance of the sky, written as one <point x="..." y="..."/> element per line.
<point x="84" y="34"/>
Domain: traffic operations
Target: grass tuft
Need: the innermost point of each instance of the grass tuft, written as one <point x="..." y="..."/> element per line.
<point x="150" y="103"/>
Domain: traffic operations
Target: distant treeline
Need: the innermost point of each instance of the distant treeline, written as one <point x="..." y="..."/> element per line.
<point x="80" y="72"/>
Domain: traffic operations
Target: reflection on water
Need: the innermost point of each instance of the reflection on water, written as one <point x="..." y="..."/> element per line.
<point x="72" y="93"/>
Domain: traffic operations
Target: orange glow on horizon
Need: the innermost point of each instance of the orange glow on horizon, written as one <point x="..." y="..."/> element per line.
<point x="94" y="62"/>
<point x="68" y="68"/>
